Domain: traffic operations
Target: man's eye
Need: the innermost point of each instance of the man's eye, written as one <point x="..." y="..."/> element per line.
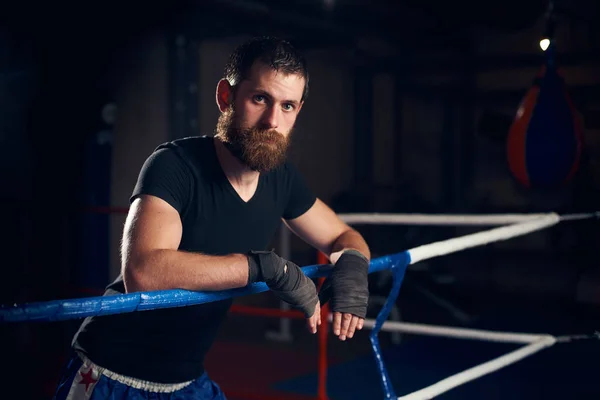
<point x="259" y="99"/>
<point x="288" y="107"/>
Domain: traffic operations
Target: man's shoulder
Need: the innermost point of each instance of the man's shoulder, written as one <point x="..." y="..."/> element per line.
<point x="288" y="168"/>
<point x="191" y="143"/>
<point x="286" y="173"/>
<point x="282" y="170"/>
<point x="191" y="150"/>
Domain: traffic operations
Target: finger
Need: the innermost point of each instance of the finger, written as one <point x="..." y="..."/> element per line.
<point x="320" y="314"/>
<point x="360" y="324"/>
<point x="311" y="324"/>
<point x="337" y="323"/>
<point x="313" y="320"/>
<point x="346" y="319"/>
<point x="352" y="326"/>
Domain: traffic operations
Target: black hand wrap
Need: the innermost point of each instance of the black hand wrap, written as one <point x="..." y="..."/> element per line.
<point x="348" y="286"/>
<point x="284" y="278"/>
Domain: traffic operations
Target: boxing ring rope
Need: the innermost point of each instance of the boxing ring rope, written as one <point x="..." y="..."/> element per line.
<point x="409" y="219"/>
<point x="518" y="225"/>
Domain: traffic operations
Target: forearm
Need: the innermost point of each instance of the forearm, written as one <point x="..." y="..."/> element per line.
<point x="172" y="269"/>
<point x="350" y="239"/>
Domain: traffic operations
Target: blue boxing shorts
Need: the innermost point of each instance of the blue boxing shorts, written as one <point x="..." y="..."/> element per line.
<point x="84" y="380"/>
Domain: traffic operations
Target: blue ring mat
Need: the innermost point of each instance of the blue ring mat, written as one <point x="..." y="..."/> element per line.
<point x="563" y="371"/>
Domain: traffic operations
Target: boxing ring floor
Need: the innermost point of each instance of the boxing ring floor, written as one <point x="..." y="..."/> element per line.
<point x="288" y="370"/>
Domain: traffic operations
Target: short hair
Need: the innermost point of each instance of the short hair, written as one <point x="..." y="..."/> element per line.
<point x="276" y="53"/>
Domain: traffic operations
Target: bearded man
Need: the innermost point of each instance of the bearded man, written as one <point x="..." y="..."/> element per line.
<point x="202" y="213"/>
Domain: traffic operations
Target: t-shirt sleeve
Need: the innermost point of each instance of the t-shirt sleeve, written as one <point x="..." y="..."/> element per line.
<point x="166" y="176"/>
<point x="300" y="197"/>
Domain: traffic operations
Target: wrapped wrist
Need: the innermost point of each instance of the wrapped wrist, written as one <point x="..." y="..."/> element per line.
<point x="355" y="255"/>
<point x="284" y="278"/>
<point x="347" y="286"/>
<point x="254" y="273"/>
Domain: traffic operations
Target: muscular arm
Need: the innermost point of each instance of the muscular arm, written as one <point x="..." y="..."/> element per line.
<point x="150" y="259"/>
<point x="323" y="229"/>
<point x="349" y="239"/>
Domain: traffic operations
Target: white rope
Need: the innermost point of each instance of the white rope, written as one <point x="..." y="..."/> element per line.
<point x="535" y="342"/>
<point x="452" y="219"/>
<point x="432" y="219"/>
<point x="521" y="224"/>
<point x="479" y="370"/>
<point x="574" y="217"/>
<point x="480" y="238"/>
<point x="457" y="333"/>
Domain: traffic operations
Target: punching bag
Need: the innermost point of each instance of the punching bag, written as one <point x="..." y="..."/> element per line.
<point x="545" y="139"/>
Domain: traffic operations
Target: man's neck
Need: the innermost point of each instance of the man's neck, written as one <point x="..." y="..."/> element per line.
<point x="237" y="172"/>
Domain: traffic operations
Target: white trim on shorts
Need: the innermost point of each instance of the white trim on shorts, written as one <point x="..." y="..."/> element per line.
<point x="81" y="391"/>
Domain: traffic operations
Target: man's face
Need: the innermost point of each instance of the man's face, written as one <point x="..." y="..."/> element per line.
<point x="258" y="125"/>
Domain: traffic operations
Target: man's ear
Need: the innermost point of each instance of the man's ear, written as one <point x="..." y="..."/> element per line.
<point x="224" y="95"/>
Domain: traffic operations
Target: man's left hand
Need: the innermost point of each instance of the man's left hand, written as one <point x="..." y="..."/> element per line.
<point x="348" y="289"/>
<point x="344" y="325"/>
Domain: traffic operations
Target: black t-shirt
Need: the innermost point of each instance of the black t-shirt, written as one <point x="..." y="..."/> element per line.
<point x="169" y="345"/>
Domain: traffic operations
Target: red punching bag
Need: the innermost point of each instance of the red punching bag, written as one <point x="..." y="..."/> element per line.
<point x="545" y="138"/>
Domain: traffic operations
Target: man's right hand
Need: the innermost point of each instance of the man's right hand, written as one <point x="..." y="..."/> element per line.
<point x="287" y="281"/>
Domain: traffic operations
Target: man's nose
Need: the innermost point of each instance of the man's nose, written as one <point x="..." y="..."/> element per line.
<point x="270" y="119"/>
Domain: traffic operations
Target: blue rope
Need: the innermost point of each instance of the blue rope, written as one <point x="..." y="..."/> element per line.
<point x="58" y="310"/>
<point x="398" y="266"/>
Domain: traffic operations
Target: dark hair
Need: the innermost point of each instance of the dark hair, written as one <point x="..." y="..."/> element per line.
<point x="273" y="52"/>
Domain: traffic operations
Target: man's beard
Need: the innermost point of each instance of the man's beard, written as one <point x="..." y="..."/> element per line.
<point x="259" y="149"/>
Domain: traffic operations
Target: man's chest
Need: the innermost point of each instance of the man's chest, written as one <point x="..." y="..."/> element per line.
<point x="221" y="222"/>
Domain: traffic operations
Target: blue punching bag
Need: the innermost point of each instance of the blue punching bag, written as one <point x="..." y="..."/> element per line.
<point x="92" y="273"/>
<point x="545" y="139"/>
